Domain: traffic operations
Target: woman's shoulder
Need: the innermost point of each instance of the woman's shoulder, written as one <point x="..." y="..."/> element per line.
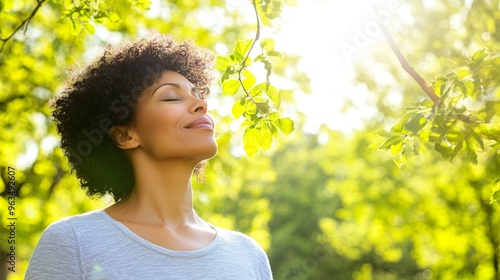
<point x="241" y="248"/>
<point x="238" y="239"/>
<point x="232" y="234"/>
<point x="89" y="216"/>
<point x="70" y="224"/>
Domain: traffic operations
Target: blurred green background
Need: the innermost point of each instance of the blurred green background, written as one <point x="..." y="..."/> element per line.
<point x="324" y="202"/>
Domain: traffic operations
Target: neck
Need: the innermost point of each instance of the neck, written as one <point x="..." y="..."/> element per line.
<point x="162" y="193"/>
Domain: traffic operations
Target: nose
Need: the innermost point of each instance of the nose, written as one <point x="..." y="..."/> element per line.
<point x="200" y="106"/>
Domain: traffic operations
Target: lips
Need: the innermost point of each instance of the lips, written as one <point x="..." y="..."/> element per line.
<point x="201" y="123"/>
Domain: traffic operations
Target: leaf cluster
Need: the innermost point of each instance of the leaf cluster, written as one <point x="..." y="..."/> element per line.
<point x="258" y="103"/>
<point x="464" y="122"/>
<point x="84" y="14"/>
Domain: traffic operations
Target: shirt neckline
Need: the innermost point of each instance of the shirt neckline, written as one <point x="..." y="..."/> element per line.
<point x="162" y="250"/>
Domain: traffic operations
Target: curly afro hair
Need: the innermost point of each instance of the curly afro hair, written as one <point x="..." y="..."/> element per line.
<point x="104" y="94"/>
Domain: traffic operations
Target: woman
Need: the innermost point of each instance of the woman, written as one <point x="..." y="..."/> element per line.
<point x="134" y="125"/>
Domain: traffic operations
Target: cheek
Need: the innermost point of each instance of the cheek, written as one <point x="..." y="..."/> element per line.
<point x="157" y="133"/>
<point x="156" y="122"/>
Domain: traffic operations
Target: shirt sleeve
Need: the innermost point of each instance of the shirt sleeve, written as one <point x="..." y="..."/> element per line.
<point x="265" y="272"/>
<point x="56" y="255"/>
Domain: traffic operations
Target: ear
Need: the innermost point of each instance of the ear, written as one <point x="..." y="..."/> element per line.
<point x="124" y="137"/>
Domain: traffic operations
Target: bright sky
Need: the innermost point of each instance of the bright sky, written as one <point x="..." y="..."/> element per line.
<point x="330" y="36"/>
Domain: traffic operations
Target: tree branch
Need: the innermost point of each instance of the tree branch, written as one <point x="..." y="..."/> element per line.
<point x="24" y="23"/>
<point x="410" y="70"/>
<point x="406" y="66"/>
<point x="243" y="63"/>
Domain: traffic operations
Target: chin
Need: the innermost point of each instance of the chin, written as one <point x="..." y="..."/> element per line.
<point x="205" y="152"/>
<point x="211" y="152"/>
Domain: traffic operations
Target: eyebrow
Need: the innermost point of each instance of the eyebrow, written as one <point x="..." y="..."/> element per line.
<point x="176" y="85"/>
<point x="166" y="84"/>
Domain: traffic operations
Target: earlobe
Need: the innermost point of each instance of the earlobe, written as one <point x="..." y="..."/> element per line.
<point x="123" y="137"/>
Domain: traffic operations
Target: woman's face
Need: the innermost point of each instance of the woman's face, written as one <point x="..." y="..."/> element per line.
<point x="172" y="120"/>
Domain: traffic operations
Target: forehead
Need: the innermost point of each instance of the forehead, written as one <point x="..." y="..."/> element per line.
<point x="172" y="76"/>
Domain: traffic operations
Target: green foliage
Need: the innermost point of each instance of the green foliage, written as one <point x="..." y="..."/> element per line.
<point x="86" y="13"/>
<point x="341" y="209"/>
<point x="443" y="199"/>
<point x="269" y="9"/>
<point x="258" y="104"/>
<point x="464" y="123"/>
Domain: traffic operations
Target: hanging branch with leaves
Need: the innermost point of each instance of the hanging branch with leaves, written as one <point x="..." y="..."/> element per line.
<point x="258" y="103"/>
<point x="461" y="115"/>
<point x="24" y="24"/>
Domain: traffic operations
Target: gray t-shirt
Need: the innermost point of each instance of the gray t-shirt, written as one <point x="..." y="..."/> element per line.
<point x="95" y="246"/>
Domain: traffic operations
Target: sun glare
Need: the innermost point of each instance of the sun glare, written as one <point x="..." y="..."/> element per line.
<point x="330" y="36"/>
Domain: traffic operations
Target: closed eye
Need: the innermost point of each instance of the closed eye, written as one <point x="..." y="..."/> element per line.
<point x="172" y="99"/>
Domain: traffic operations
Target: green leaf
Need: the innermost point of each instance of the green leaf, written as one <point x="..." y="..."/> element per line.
<point x="398" y="127"/>
<point x="451" y="76"/>
<point x="456" y="150"/>
<point x="250" y="108"/>
<point x="478" y="57"/>
<point x="269" y="10"/>
<point x="222" y="63"/>
<point x="256" y="91"/>
<point x="488" y="111"/>
<point x="285" y="125"/>
<point x="416" y="123"/>
<point x="461" y="87"/>
<point x="89" y="28"/>
<point x="272" y="93"/>
<point x="263" y="107"/>
<point x="439" y="85"/>
<point x="267" y="44"/>
<point x="445" y="150"/>
<point x="274" y="129"/>
<point x="475" y="142"/>
<point x="268" y="66"/>
<point x="383" y="133"/>
<point x="251" y="141"/>
<point x="396" y="148"/>
<point x="225" y="75"/>
<point x="266" y="136"/>
<point x="495" y="197"/>
<point x="274" y="116"/>
<point x="400" y="159"/>
<point x="238" y="108"/>
<point x="76" y="27"/>
<point x="394" y="140"/>
<point x="248" y="80"/>
<point x="462" y="73"/>
<point x="230" y="87"/>
<point x="275" y="53"/>
<point x="113" y="17"/>
<point x="262" y="15"/>
<point x="241" y="50"/>
<point x="470" y="154"/>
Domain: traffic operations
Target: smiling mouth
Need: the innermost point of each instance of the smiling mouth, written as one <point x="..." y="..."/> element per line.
<point x="201" y="123"/>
